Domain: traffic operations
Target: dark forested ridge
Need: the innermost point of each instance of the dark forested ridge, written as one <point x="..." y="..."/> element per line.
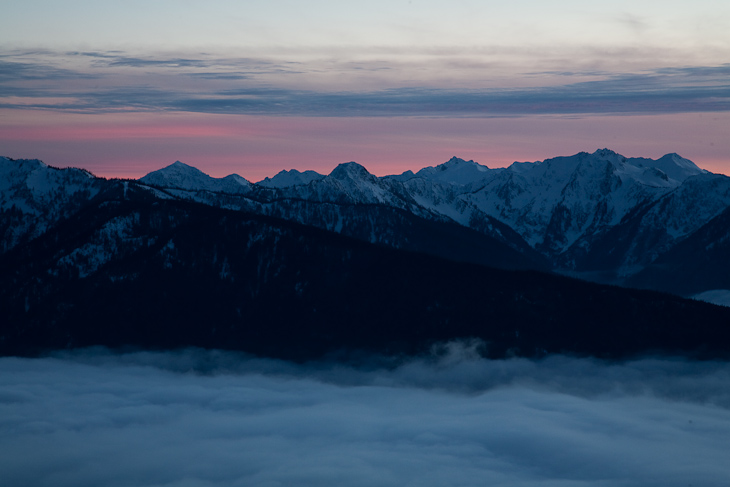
<point x="167" y="274"/>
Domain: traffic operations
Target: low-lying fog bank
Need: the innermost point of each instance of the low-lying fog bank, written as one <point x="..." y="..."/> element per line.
<point x="206" y="418"/>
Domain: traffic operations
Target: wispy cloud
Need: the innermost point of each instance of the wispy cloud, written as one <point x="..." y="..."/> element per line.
<point x="588" y="98"/>
<point x="13" y="73"/>
<point x="207" y="84"/>
<point x="633" y="22"/>
<point x="210" y="418"/>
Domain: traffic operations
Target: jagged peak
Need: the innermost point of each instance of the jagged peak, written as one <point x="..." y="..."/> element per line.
<point x="457" y="161"/>
<point x="350" y="170"/>
<point x="455" y="171"/>
<point x="667" y="160"/>
<point x="282" y="173"/>
<point x="606" y="153"/>
<point x="582" y="156"/>
<point x="667" y="171"/>
<point x="520" y="167"/>
<point x="583" y="160"/>
<point x="404" y="176"/>
<point x="292" y="177"/>
<point x="296" y="172"/>
<point x="454" y="160"/>
<point x="182" y="167"/>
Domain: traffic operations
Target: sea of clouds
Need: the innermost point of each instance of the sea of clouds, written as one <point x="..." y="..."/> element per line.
<point x="207" y="418"/>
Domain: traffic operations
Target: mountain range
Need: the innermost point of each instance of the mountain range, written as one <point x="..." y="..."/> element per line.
<point x="600" y="216"/>
<point x="303" y="264"/>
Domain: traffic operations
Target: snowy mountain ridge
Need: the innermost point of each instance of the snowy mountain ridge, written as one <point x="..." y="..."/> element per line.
<point x="564" y="207"/>
<point x="292" y="177"/>
<point x="589" y="214"/>
<point x="555" y="203"/>
<point x="182" y="176"/>
<point x="456" y="171"/>
<point x="35" y="196"/>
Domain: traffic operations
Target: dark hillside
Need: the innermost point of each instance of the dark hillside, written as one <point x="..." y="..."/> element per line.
<point x="167" y="274"/>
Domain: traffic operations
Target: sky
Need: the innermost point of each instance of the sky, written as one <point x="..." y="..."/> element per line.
<point x="202" y="418"/>
<point x="250" y="87"/>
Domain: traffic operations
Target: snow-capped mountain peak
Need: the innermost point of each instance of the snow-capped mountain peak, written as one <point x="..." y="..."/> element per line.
<point x="179" y="175"/>
<point x="520" y="167"/>
<point x="35" y="196"/>
<point x="352" y="181"/>
<point x="349" y="183"/>
<point x="677" y="167"/>
<point x="405" y="176"/>
<point x="453" y="162"/>
<point x="668" y="171"/>
<point x="607" y="154"/>
<point x="12" y="170"/>
<point x="351" y="170"/>
<point x="285" y="179"/>
<point x="555" y="203"/>
<point x="33" y="180"/>
<point x="456" y="171"/>
<point x="235" y="178"/>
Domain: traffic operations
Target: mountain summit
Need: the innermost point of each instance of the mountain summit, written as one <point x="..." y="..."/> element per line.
<point x="351" y="171"/>
<point x="178" y="175"/>
<point x="285" y="179"/>
<point x="182" y="176"/>
<point x="456" y="171"/>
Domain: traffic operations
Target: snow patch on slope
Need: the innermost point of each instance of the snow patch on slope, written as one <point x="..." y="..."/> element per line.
<point x="721" y="297"/>
<point x="115" y="237"/>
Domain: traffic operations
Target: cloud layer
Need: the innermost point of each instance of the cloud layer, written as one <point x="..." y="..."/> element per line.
<point x="432" y="84"/>
<point x="199" y="418"/>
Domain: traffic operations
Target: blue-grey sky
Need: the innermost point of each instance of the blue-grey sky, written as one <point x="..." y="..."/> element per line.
<point x="675" y="25"/>
<point x="282" y="64"/>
